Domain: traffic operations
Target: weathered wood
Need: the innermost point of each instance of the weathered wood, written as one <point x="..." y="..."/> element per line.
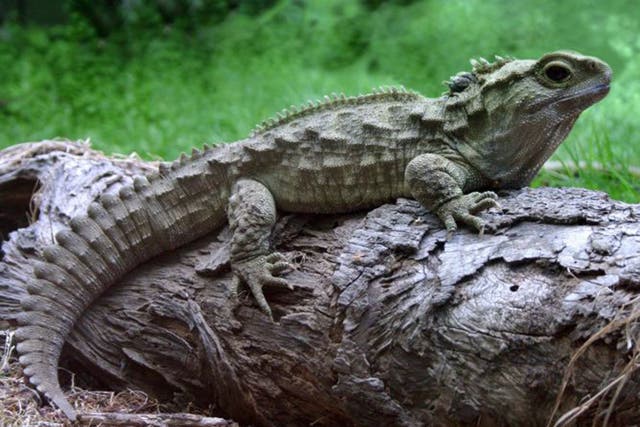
<point x="389" y="323"/>
<point x="152" y="420"/>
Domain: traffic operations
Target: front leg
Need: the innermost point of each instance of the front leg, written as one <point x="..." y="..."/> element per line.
<point x="437" y="183"/>
<point x="252" y="215"/>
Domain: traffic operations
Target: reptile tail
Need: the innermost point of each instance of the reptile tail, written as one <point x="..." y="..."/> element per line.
<point x="117" y="234"/>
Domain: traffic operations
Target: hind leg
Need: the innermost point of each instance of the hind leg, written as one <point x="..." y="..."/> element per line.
<point x="252" y="215"/>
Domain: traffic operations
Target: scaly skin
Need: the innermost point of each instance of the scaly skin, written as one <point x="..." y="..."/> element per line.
<point x="494" y="129"/>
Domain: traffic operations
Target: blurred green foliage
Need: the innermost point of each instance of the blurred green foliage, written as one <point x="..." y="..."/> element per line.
<point x="160" y="77"/>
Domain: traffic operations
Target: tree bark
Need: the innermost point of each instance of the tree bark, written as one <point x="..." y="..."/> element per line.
<point x="389" y="323"/>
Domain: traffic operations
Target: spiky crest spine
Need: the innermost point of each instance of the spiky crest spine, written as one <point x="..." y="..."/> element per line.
<point x="482" y="66"/>
<point x="383" y="93"/>
<point x="459" y="82"/>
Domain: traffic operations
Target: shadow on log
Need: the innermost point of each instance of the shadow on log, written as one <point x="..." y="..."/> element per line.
<point x="389" y="323"/>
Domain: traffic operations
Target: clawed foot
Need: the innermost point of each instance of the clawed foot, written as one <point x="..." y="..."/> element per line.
<point x="260" y="271"/>
<point x="462" y="209"/>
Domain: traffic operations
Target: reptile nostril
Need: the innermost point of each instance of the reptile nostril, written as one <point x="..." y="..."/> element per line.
<point x="592" y="65"/>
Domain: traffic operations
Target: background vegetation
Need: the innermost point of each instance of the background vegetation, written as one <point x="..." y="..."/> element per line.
<point x="158" y="77"/>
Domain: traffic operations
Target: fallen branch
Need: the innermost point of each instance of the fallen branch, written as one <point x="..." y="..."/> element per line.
<point x="153" y="420"/>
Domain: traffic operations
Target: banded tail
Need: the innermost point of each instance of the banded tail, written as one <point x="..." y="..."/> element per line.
<point x="117" y="234"/>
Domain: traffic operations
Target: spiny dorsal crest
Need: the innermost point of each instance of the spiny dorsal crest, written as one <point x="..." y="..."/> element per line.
<point x="383" y="93"/>
<point x="481" y="67"/>
<point x="464" y="98"/>
<point x="165" y="168"/>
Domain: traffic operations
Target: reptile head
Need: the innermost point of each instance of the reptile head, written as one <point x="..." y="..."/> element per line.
<point x="519" y="111"/>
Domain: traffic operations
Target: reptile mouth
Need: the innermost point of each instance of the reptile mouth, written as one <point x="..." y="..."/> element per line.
<point x="595" y="93"/>
<point x="601" y="88"/>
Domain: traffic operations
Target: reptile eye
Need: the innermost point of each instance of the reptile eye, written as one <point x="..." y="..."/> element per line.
<point x="557" y="73"/>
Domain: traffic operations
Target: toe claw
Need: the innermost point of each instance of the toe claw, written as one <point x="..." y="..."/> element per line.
<point x="268" y="279"/>
<point x="449" y="235"/>
<point x="256" y="290"/>
<point x="275" y="257"/>
<point x="463" y="208"/>
<point x="262" y="271"/>
<point x="279" y="267"/>
<point x="489" y="195"/>
<point x="483" y="205"/>
<point x="450" y="224"/>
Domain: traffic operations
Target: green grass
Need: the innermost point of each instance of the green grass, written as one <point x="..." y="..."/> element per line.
<point x="162" y="91"/>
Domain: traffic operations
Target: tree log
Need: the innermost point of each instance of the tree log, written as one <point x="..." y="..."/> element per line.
<point x="389" y="323"/>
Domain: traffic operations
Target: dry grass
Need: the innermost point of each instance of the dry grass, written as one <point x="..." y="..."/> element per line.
<point x="601" y="404"/>
<point x="21" y="406"/>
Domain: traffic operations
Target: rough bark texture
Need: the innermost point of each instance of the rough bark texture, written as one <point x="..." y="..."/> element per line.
<point x="389" y="323"/>
<point x="153" y="420"/>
